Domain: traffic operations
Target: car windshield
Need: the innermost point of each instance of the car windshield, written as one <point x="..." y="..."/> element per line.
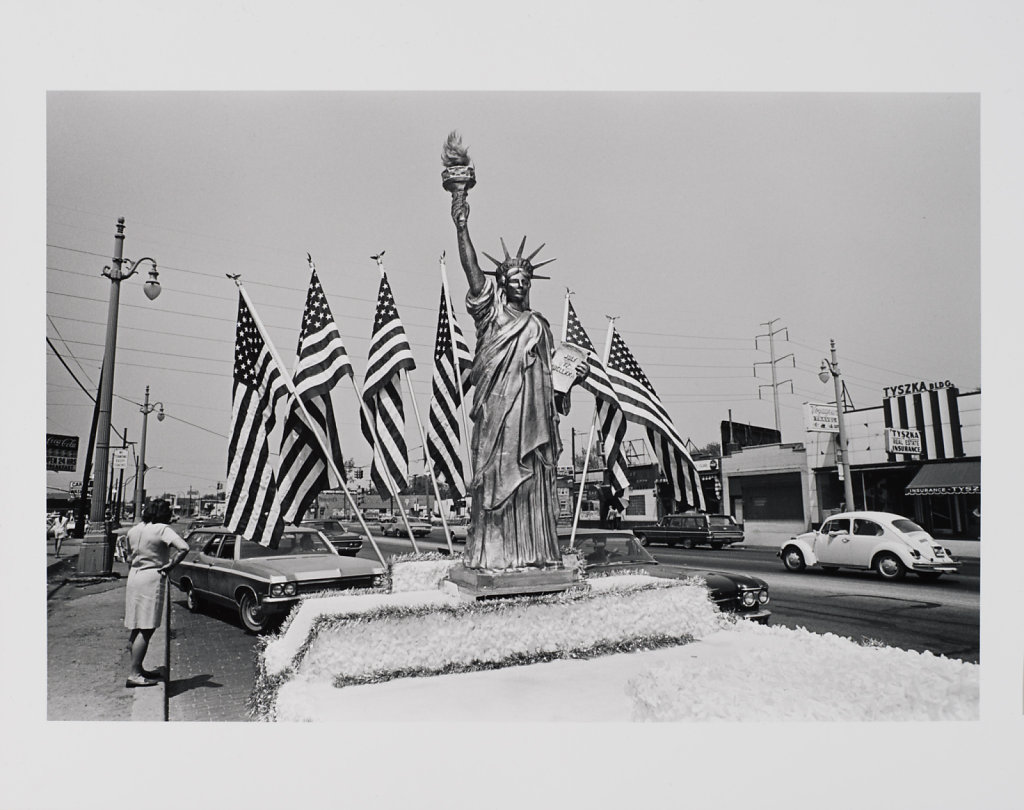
<point x="721" y="521"/>
<point x="331" y="526"/>
<point x="617" y="549"/>
<point x="291" y="544"/>
<point x="906" y="526"/>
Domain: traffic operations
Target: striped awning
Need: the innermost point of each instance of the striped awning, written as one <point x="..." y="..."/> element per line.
<point x="949" y="478"/>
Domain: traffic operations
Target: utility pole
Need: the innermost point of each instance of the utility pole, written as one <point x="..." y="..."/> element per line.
<point x="120" y="481"/>
<point x="772" y="332"/>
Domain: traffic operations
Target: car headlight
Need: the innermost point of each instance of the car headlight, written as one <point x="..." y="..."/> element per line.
<point x="290" y="589"/>
<point x="276" y="590"/>
<point x="748" y="598"/>
<point x="762" y="596"/>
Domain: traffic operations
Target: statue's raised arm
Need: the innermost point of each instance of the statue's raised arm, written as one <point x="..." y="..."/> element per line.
<point x="458" y="177"/>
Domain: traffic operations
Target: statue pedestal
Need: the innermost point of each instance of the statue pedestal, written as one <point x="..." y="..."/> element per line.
<point x="477" y="584"/>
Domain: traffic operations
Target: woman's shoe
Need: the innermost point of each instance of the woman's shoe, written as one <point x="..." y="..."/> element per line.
<point x="132" y="683"/>
<point x="156" y="676"/>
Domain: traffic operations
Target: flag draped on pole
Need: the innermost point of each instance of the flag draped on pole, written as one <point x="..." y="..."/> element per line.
<point x="321" y="364"/>
<point x="389" y="354"/>
<point x="610" y="419"/>
<point x="443" y="434"/>
<point x="641" y="404"/>
<point x="253" y="508"/>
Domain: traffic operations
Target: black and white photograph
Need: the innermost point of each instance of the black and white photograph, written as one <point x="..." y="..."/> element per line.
<point x="437" y="416"/>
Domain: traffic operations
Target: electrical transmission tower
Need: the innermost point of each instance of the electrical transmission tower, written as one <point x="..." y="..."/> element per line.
<point x="775" y="383"/>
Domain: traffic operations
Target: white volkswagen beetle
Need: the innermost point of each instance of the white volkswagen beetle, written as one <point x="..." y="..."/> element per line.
<point x="890" y="544"/>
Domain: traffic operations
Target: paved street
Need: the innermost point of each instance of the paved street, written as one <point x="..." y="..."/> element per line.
<point x="213" y="664"/>
<point x="213" y="658"/>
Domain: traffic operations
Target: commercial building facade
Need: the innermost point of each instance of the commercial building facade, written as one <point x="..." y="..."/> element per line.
<point x="917" y="454"/>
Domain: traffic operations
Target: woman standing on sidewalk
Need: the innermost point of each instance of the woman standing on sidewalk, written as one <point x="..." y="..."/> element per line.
<point x="150" y="542"/>
<point x="60" y="532"/>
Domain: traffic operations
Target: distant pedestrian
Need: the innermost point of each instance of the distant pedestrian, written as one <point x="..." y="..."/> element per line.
<point x="60" y="532"/>
<point x="150" y="543"/>
<point x="614" y="518"/>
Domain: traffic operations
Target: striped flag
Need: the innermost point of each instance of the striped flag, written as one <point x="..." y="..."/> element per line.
<point x="641" y="404"/>
<point x="253" y="508"/>
<point x="610" y="419"/>
<point x="389" y="353"/>
<point x="321" y="364"/>
<point x="443" y="434"/>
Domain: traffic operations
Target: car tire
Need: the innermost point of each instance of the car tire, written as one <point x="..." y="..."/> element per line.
<point x="643" y="540"/>
<point x="251" y="614"/>
<point x="687" y="544"/>
<point x="192" y="601"/>
<point x="671" y="544"/>
<point x="793" y="559"/>
<point x="890" y="567"/>
<point x="717" y="546"/>
<point x="929" y="576"/>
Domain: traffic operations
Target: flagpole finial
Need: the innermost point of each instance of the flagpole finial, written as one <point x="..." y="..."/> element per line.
<point x="569" y="292"/>
<point x="613" y="318"/>
<point x="309" y="258"/>
<point x="235" y="278"/>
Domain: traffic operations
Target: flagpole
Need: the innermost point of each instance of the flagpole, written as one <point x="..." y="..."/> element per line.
<point x="392" y="484"/>
<point x="590" y="440"/>
<point x="290" y="385"/>
<point x="423" y="436"/>
<point x="382" y="465"/>
<point x="593" y="423"/>
<point x="426" y="462"/>
<point x="467" y="456"/>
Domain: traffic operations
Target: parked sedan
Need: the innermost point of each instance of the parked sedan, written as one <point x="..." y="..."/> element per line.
<point x="344" y="541"/>
<point x="395" y="527"/>
<point x="890" y="544"/>
<point x="264" y="583"/>
<point x="619" y="552"/>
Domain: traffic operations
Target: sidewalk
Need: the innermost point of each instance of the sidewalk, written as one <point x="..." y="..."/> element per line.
<point x="87" y="655"/>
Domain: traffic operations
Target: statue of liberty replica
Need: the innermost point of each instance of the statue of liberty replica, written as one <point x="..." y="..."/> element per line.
<point x="515" y="443"/>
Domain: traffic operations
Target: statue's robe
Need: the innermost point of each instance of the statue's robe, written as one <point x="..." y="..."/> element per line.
<point x="515" y="438"/>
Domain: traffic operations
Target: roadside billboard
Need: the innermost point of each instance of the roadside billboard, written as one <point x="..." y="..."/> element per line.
<point x="61" y="452"/>
<point x="821" y="418"/>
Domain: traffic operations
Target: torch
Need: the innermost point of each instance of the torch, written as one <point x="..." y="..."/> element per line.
<point x="458" y="175"/>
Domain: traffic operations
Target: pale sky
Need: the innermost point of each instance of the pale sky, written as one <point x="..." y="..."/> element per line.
<point x="696" y="218"/>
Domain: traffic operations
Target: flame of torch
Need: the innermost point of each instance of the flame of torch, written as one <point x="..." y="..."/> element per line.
<point x="454" y="153"/>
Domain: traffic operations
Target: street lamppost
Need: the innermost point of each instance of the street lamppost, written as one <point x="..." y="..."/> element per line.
<point x="96" y="552"/>
<point x="140" y="480"/>
<point x="831" y="369"/>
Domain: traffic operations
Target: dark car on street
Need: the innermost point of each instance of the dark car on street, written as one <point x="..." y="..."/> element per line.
<point x="263" y="583"/>
<point x="604" y="551"/>
<point x="344" y="541"/>
<point x="691" y="529"/>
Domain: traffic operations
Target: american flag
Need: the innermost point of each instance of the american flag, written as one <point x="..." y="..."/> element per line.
<point x="641" y="404"/>
<point x="389" y="353"/>
<point x="321" y="364"/>
<point x="253" y="508"/>
<point x="611" y="422"/>
<point x="443" y="434"/>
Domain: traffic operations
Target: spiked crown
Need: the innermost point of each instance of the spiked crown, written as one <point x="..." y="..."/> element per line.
<point x="503" y="268"/>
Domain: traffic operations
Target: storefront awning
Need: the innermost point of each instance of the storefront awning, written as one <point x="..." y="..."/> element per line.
<point x="951" y="478"/>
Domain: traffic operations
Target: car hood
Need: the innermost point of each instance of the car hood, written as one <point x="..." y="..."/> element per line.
<point x="332" y="535"/>
<point x="316" y="566"/>
<point x="718" y="583"/>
